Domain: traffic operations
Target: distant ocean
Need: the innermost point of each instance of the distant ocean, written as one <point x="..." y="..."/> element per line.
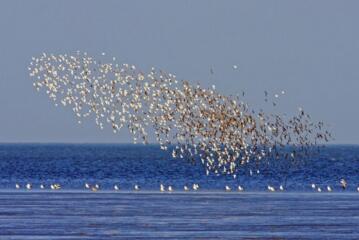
<point x="72" y="165"/>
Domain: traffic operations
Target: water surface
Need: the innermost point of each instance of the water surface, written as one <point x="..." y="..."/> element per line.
<point x="76" y="213"/>
<point x="152" y="215"/>
<point x="72" y="165"/>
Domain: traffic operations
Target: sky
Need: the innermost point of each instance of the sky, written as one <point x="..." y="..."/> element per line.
<point x="310" y="49"/>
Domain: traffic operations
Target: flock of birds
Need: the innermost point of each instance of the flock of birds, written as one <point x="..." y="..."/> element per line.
<point x="194" y="187"/>
<point x="221" y="132"/>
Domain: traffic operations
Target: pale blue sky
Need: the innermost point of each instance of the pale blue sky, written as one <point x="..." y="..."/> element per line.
<point x="308" y="48"/>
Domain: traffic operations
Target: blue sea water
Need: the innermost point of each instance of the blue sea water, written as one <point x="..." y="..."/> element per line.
<point x="211" y="213"/>
<point x="72" y="165"/>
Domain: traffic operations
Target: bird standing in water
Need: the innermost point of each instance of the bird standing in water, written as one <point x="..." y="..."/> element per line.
<point x="343" y="183"/>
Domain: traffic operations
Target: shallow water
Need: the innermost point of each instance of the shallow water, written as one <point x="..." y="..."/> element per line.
<point x="202" y="215"/>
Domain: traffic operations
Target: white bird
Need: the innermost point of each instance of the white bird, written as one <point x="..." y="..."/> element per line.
<point x="170" y="189"/>
<point x="319" y="189"/>
<point x="42" y="186"/>
<point x="97" y="186"/>
<point x="195" y="186"/>
<point x="17" y="186"/>
<point x="235" y="67"/>
<point x="52" y="187"/>
<point x="270" y="188"/>
<point x="240" y="188"/>
<point x="343" y="183"/>
<point x="28" y="186"/>
<point x="329" y="188"/>
<point x="358" y="189"/>
<point x="227" y="188"/>
<point x="281" y="188"/>
<point x="87" y="186"/>
<point x="116" y="187"/>
<point x="185" y="188"/>
<point x="137" y="187"/>
<point x="162" y="188"/>
<point x="313" y="186"/>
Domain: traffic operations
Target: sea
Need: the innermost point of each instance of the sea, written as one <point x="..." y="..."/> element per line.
<point x="74" y="212"/>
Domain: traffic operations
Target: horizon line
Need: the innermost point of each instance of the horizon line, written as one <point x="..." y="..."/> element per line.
<point x="130" y="143"/>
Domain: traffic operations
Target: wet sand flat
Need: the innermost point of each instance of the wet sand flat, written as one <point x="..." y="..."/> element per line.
<point x="202" y="215"/>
